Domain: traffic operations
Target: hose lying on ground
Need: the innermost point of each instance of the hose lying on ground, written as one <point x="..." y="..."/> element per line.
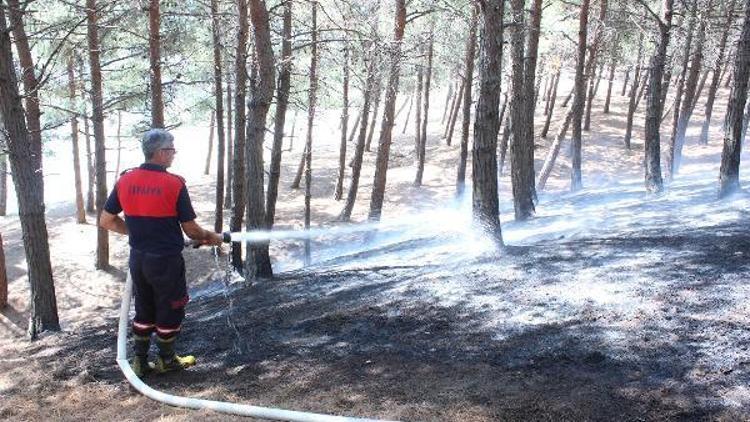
<point x="193" y="403"/>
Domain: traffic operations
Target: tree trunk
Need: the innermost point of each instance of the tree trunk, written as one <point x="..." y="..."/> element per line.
<point x="550" y="112"/>
<point x="471" y="42"/>
<point x="91" y="173"/>
<point x="282" y="104"/>
<point x="515" y="125"/>
<point x="359" y="149"/>
<point x="729" y="173"/>
<point x="310" y="122"/>
<point x="548" y="95"/>
<point x="569" y="97"/>
<point x="610" y="83"/>
<point x="504" y="141"/>
<point x="625" y="82"/>
<point x="579" y="99"/>
<point x="447" y="102"/>
<point x="375" y="108"/>
<point x="653" y="179"/>
<point x="745" y="122"/>
<point x="679" y="90"/>
<point x="633" y="95"/>
<point x="522" y="147"/>
<point x="674" y="157"/>
<point x="229" y="147"/>
<point x="422" y="148"/>
<point x="258" y="262"/>
<point x="119" y="144"/>
<point x="715" y="79"/>
<point x="209" y="153"/>
<point x="485" y="204"/>
<point x="418" y="114"/>
<point x="384" y="144"/>
<point x="338" y="193"/>
<point x="408" y="114"/>
<point x="3" y="276"/>
<point x="699" y="90"/>
<point x="3" y="182"/>
<point x="454" y="114"/>
<point x="29" y="182"/>
<point x="591" y="65"/>
<point x="240" y="120"/>
<point x="102" y="249"/>
<point x="80" y="211"/>
<point x="554" y="151"/>
<point x="219" y="105"/>
<point x="30" y="82"/>
<point x="154" y="53"/>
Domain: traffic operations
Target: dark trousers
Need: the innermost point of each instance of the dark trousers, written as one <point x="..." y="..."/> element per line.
<point x="160" y="293"/>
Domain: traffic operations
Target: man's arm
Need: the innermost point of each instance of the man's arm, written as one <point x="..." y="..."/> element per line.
<point x="112" y="222"/>
<point x="196" y="232"/>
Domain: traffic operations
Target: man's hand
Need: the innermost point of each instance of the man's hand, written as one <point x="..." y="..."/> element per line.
<point x="213" y="239"/>
<point x="113" y="223"/>
<point x="200" y="235"/>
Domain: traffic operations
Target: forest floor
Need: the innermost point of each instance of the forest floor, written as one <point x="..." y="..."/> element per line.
<point x="611" y="304"/>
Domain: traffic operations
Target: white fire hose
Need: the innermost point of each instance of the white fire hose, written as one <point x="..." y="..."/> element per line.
<point x="193" y="403"/>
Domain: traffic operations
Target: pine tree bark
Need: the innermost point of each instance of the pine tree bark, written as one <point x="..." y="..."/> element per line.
<point x="219" y="108"/>
<point x="29" y="182"/>
<point x="729" y="173"/>
<point x="157" y="101"/>
<point x="3" y="276"/>
<point x="230" y="144"/>
<point x="339" y="191"/>
<point x="282" y="104"/>
<point x="90" y="172"/>
<point x="3" y="182"/>
<point x="102" y="239"/>
<point x="118" y="136"/>
<point x="375" y="109"/>
<point x="359" y="149"/>
<point x="680" y="83"/>
<point x="504" y="141"/>
<point x="386" y="128"/>
<point x="653" y="178"/>
<point x="591" y="65"/>
<point x="688" y="103"/>
<point x="422" y="148"/>
<point x="80" y="211"/>
<point x="522" y="148"/>
<point x="30" y="81"/>
<point x="485" y="204"/>
<point x="610" y="83"/>
<point x="418" y="114"/>
<point x="522" y="202"/>
<point x="551" y="110"/>
<point x="454" y="113"/>
<point x="579" y="99"/>
<point x="209" y="153"/>
<point x="625" y="82"/>
<point x="632" y="103"/>
<point x="471" y="42"/>
<point x="240" y="120"/>
<point x="311" y="102"/>
<point x="554" y="151"/>
<point x="448" y="98"/>
<point x="715" y="79"/>
<point x="258" y="262"/>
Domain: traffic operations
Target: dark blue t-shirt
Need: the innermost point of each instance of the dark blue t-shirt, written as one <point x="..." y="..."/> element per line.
<point x="155" y="202"/>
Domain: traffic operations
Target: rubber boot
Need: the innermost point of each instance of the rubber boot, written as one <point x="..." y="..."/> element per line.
<point x="168" y="360"/>
<point x="140" y="363"/>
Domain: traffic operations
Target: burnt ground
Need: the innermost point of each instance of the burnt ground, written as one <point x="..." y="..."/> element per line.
<point x="646" y="325"/>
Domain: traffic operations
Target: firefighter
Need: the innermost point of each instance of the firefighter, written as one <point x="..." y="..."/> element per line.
<point x="157" y="209"/>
